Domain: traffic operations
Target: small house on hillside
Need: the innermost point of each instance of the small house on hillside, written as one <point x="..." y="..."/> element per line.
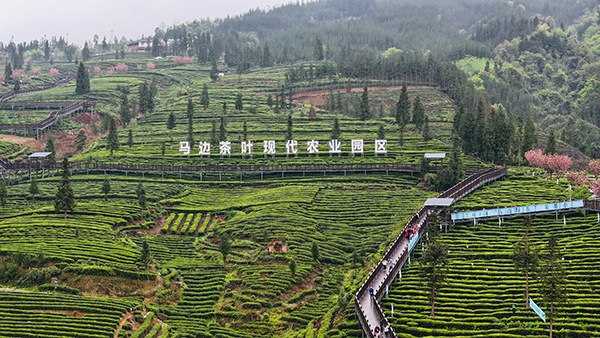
<point x="143" y="45"/>
<point x="278" y="247"/>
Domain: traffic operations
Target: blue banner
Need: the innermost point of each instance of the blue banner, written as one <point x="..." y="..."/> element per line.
<point x="513" y="211"/>
<point x="537" y="309"/>
<point x="413" y="242"/>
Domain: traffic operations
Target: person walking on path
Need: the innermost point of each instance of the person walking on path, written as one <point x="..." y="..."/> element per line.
<point x="371" y="292"/>
<point x="386" y="329"/>
<point x="391" y="264"/>
<point x="384" y="263"/>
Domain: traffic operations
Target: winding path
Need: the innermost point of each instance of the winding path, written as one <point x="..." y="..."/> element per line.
<point x="367" y="308"/>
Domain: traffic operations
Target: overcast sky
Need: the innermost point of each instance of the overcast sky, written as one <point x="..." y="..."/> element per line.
<point x="26" y="20"/>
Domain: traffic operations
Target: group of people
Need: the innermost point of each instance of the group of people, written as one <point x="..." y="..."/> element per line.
<point x="410" y="231"/>
<point x="382" y="332"/>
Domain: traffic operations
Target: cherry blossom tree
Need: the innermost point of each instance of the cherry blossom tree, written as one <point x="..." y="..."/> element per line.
<point x="54" y="72"/>
<point x="97" y="70"/>
<point x="178" y="60"/>
<point x="535" y="158"/>
<point x="35" y="72"/>
<point x="559" y="164"/>
<point x="594" y="167"/>
<point x="26" y="79"/>
<point x="139" y="67"/>
<point x="578" y="178"/>
<point x="121" y="67"/>
<point x="150" y="65"/>
<point x="1" y="77"/>
<point x="596" y="188"/>
<point x="188" y="60"/>
<point x="17" y="73"/>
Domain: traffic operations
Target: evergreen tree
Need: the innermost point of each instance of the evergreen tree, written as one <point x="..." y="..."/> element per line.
<point x="124" y="109"/>
<point x="145" y="254"/>
<point x="292" y="266"/>
<point x="365" y="109"/>
<point x="190" y="116"/>
<point x="142" y="98"/>
<point x="214" y="72"/>
<point x="285" y="58"/>
<point x="7" y="72"/>
<point x="80" y="139"/>
<point x="458" y="118"/>
<point x="239" y="104"/>
<point x="3" y="193"/>
<point x="163" y="149"/>
<point x="65" y="198"/>
<point x="401" y="138"/>
<point x="17" y="86"/>
<point x="83" y="80"/>
<point x="418" y="113"/>
<point x="223" y="129"/>
<point x="434" y="267"/>
<point x="553" y="288"/>
<point x="318" y="50"/>
<point x="336" y="133"/>
<point x="85" y="53"/>
<point x="525" y="257"/>
<point x="46" y="50"/>
<point x="423" y="166"/>
<point x="106" y="188"/>
<point x="314" y="250"/>
<point x="269" y="100"/>
<point x="224" y="248"/>
<point x="130" y="139"/>
<point x="381" y="132"/>
<point x="290" y="128"/>
<point x="267" y="61"/>
<point x="33" y="188"/>
<point x="171" y="122"/>
<point x="478" y="140"/>
<point x="150" y="95"/>
<point x="113" y="137"/>
<point x="551" y="145"/>
<point x="403" y="108"/>
<point x="50" y="148"/>
<point x="426" y="132"/>
<point x="204" y="98"/>
<point x="467" y="126"/>
<point x="214" y="137"/>
<point x="142" y="200"/>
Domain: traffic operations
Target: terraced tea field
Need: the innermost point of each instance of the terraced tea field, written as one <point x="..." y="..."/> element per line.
<point x="483" y="284"/>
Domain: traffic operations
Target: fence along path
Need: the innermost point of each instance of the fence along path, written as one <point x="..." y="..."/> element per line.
<point x="368" y="310"/>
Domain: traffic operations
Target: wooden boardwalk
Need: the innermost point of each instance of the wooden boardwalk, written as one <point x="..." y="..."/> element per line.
<point x="367" y="308"/>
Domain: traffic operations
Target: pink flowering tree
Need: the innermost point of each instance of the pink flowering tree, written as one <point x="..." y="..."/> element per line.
<point x="35" y="72"/>
<point x="1" y="77"/>
<point x="121" y="67"/>
<point x="178" y="60"/>
<point x="188" y="60"/>
<point x="596" y="188"/>
<point x="97" y="70"/>
<point x="535" y="158"/>
<point x="558" y="164"/>
<point x="594" y="167"/>
<point x="17" y="74"/>
<point x="26" y="79"/>
<point x="139" y="67"/>
<point x="54" y="72"/>
<point x="578" y="178"/>
<point x="150" y="65"/>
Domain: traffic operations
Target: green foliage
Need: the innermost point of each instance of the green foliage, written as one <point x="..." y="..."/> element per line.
<point x="224" y="248"/>
<point x="526" y="257"/>
<point x="112" y="139"/>
<point x="190" y="116"/>
<point x="33" y="188"/>
<point x="403" y="108"/>
<point x="80" y="140"/>
<point x="314" y="250"/>
<point x="124" y="109"/>
<point x="106" y="186"/>
<point x="65" y="197"/>
<point x="130" y="138"/>
<point x="336" y="133"/>
<point x="50" y="148"/>
<point x="418" y="113"/>
<point x="145" y="254"/>
<point x="83" y="80"/>
<point x="290" y="128"/>
<point x="3" y="193"/>
<point x="551" y="144"/>
<point x="365" y="109"/>
<point x="434" y="267"/>
<point x="553" y="282"/>
<point x="204" y="98"/>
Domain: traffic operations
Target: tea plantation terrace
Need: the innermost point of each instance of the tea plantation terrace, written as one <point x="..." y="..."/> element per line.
<point x="525" y="210"/>
<point x="18" y="170"/>
<point x="367" y="307"/>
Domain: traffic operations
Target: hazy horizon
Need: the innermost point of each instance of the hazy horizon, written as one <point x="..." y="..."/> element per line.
<point x="131" y="18"/>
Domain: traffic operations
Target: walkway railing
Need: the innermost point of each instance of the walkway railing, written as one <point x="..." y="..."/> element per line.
<point x="367" y="308"/>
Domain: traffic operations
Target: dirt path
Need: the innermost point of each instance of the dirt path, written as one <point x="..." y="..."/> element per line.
<point x="200" y="225"/>
<point x="318" y="98"/>
<point x="124" y="319"/>
<point x="23" y="141"/>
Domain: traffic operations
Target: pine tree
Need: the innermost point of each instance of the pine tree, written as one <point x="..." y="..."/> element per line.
<point x="150" y="96"/>
<point x="434" y="267"/>
<point x="403" y="108"/>
<point x="292" y="266"/>
<point x="290" y="128"/>
<point x="318" y="50"/>
<point x="113" y="137"/>
<point x="214" y="72"/>
<point x="80" y="140"/>
<point x="83" y="80"/>
<point x="7" y="72"/>
<point x="525" y="257"/>
<point x="190" y="116"/>
<point x="171" y="122"/>
<point x="551" y="145"/>
<point x="85" y="53"/>
<point x="426" y="132"/>
<point x="270" y="101"/>
<point x="124" y="109"/>
<point x="267" y="61"/>
<point x="222" y="129"/>
<point x="478" y="139"/>
<point x="46" y="50"/>
<point x="529" y="135"/>
<point x="130" y="139"/>
<point x="204" y="98"/>
<point x="142" y="96"/>
<point x="285" y="58"/>
<point x="106" y="188"/>
<point x="423" y="166"/>
<point x="418" y="113"/>
<point x="214" y="137"/>
<point x="3" y="193"/>
<point x="381" y="132"/>
<point x="145" y="254"/>
<point x="50" y="148"/>
<point x="365" y="109"/>
<point x="336" y="133"/>
<point x="142" y="200"/>
<point x="65" y="198"/>
<point x="33" y="188"/>
<point x="224" y="248"/>
<point x="244" y="132"/>
<point x="553" y="283"/>
<point x="239" y="104"/>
